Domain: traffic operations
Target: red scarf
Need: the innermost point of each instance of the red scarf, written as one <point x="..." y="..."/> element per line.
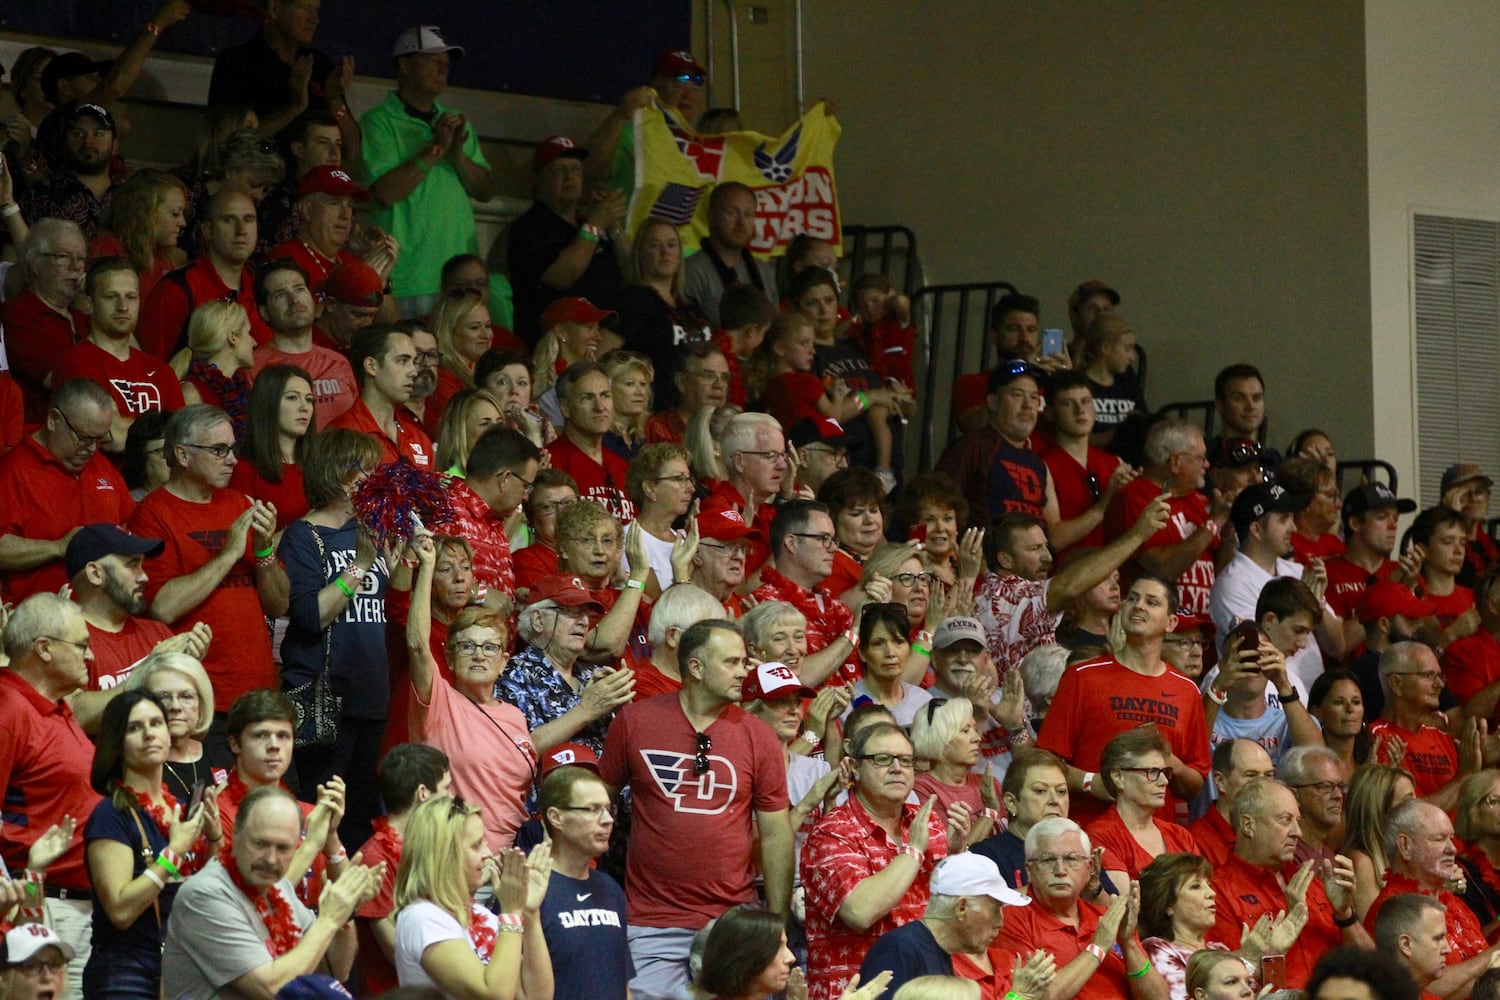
<point x="196" y="855"/>
<point x="481" y="935"/>
<point x="275" y="912"/>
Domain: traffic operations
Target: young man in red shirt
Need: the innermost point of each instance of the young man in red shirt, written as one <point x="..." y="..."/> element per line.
<point x="583" y="392"/>
<point x="384" y="362"/>
<point x="139" y="382"/>
<point x="286" y="304"/>
<point x="1442" y="536"/>
<point x="219" y="564"/>
<point x="1370" y="514"/>
<point x="55" y="480"/>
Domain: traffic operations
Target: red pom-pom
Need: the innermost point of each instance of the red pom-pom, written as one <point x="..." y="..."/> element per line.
<point x="395" y="500"/>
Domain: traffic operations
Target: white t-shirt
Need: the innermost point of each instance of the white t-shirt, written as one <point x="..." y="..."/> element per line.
<point x="659" y="556"/>
<point x="419" y="927"/>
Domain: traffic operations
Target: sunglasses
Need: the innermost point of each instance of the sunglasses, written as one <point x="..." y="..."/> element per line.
<point x="700" y="759"/>
<point x="697" y="79"/>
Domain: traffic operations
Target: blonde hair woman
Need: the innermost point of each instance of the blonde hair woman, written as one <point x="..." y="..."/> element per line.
<point x="461" y="326"/>
<point x="444" y="939"/>
<point x="216" y="367"/>
<point x="144" y="219"/>
<point x="468" y="414"/>
<point x="945" y="734"/>
<point x="630" y="376"/>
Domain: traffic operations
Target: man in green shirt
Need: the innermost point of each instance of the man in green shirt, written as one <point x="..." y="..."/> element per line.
<point x="423" y="165"/>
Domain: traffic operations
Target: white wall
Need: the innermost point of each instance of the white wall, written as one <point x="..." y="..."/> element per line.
<point x="1433" y="74"/>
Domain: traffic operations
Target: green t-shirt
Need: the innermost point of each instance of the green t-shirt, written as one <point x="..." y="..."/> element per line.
<point x="435" y="221"/>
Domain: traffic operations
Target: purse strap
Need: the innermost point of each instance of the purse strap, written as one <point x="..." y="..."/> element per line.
<point x="322" y="566"/>
<point x="135" y="814"/>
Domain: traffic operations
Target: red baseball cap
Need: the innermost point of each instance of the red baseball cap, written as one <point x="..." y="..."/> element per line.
<point x="773" y="680"/>
<point x="556" y="147"/>
<point x="674" y="61"/>
<point x="1386" y="598"/>
<point x="574" y="310"/>
<point x="355" y="283"/>
<point x="332" y="181"/>
<point x="569" y="591"/>
<point x="721" y="522"/>
<point x="1189" y="620"/>
<point x="570" y="755"/>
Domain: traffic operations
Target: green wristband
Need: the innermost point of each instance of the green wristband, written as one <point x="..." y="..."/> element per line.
<point x="266" y="552"/>
<point x="339" y="581"/>
<point x="1138" y="973"/>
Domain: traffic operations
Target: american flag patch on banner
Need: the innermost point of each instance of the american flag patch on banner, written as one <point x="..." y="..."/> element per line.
<point x="677" y="204"/>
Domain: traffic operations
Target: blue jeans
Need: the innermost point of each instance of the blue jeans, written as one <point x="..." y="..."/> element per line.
<point x="123" y="975"/>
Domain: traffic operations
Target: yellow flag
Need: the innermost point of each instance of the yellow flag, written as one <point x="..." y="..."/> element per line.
<point x="791" y="175"/>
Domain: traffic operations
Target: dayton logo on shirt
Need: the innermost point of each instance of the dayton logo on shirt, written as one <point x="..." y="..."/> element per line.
<point x="707" y="794"/>
<point x="140" y="397"/>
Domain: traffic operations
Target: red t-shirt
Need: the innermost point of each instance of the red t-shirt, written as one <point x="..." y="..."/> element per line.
<point x="1450" y="606"/>
<point x="117" y="653"/>
<point x="970" y="392"/>
<point x="1325" y="546"/>
<point x="1099" y="699"/>
<point x="1122" y="853"/>
<point x="162" y="330"/>
<point x="239" y="658"/>
<point x="1431" y="754"/>
<point x="532" y="563"/>
<point x="1465" y="936"/>
<point x="34" y="335"/>
<point x="1075" y="494"/>
<point x="1347" y="583"/>
<point x="1472" y="664"/>
<point x="666" y="427"/>
<point x="44" y="774"/>
<point x="845" y="575"/>
<point x="41" y="499"/>
<point x="1214" y="836"/>
<point x="140" y="384"/>
<point x="287" y="496"/>
<point x="1188" y="514"/>
<point x="312" y="261"/>
<point x="1028" y="928"/>
<point x="649" y="681"/>
<point x="12" y="413"/>
<point x="334" y="388"/>
<point x="384" y="845"/>
<point x="448" y="386"/>
<point x="411" y="444"/>
<point x="602" y="482"/>
<point x="970" y="793"/>
<point x="791" y="397"/>
<point x="1245" y="893"/>
<point x="889" y="346"/>
<point x="651" y="747"/>
<point x="725" y="343"/>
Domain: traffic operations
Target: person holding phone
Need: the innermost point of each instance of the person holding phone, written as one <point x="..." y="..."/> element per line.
<point x="140" y="843"/>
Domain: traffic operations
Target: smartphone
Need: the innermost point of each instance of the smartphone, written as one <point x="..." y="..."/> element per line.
<point x="1273" y="971"/>
<point x="1052" y="342"/>
<point x="1249" y="635"/>
<point x="195" y="799"/>
<point x="918" y="534"/>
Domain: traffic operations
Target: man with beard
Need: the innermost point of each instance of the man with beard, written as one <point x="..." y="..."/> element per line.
<point x="219" y="564"/>
<point x="104" y="568"/>
<point x="384" y="362"/>
<point x="427" y="358"/>
<point x="139" y="382"/>
<point x="54" y="481"/>
<point x="725" y="259"/>
<point x="221" y="272"/>
<point x="80" y="190"/>
<point x="286" y="303"/>
<point x="963" y="669"/>
<point x="40" y="321"/>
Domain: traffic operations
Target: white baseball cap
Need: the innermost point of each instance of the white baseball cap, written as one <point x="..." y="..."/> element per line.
<point x="24" y="940"/>
<point x="970" y="874"/>
<point x="426" y="40"/>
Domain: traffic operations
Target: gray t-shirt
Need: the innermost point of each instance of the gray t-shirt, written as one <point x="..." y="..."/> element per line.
<point x="214" y="936"/>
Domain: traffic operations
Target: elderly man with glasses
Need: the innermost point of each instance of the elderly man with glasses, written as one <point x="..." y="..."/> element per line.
<point x="802" y="540"/>
<point x="757" y="467"/>
<point x="55" y="481"/>
<point x="40" y="323"/>
<point x="219" y="564"/>
<point x="702" y="379"/>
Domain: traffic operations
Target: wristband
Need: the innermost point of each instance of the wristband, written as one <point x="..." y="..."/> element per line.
<point x="337" y="858"/>
<point x="269" y="550"/>
<point x="512" y="923"/>
<point x="480" y="595"/>
<point x="167" y="863"/>
<point x="811" y="738"/>
<point x="1096" y="951"/>
<point x="1138" y="973"/>
<point x="1013" y="995"/>
<point x="1088" y="786"/>
<point x="7" y="211"/>
<point x="265" y="562"/>
<point x="1343" y="922"/>
<point x="991" y="814"/>
<point x="864" y="401"/>
<point x="853" y="636"/>
<point x="150" y="873"/>
<point x="153" y="28"/>
<point x="917" y="647"/>
<point x="1020" y="736"/>
<point x="634" y="585"/>
<point x="339" y="582"/>
<point x="1288" y="699"/>
<point x="1216" y="696"/>
<point x="590" y="233"/>
<point x="912" y="852"/>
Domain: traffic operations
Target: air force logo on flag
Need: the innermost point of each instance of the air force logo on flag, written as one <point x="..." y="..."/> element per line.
<point x="705" y="794"/>
<point x="777" y="168"/>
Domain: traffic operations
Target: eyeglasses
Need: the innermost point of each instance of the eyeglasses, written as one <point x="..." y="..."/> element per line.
<point x="696" y="79"/>
<point x="712" y="378"/>
<point x="171" y="697"/>
<point x="551" y="507"/>
<point x="1426" y="676"/>
<point x="35" y="968"/>
<point x="840" y="456"/>
<point x="885" y="760"/>
<point x="1326" y="787"/>
<point x="1152" y="774"/>
<point x="1183" y="643"/>
<point x="1489" y="801"/>
<point x="524" y="481"/>
<point x="219" y="451"/>
<point x="774" y="457"/>
<point x="700" y="760"/>
<point x="909" y="580"/>
<point x="734" y="548"/>
<point x="594" y="812"/>
<point x="71" y="261"/>
<point x="85" y="440"/>
<point x="824" y="539"/>
<point x="427" y="357"/>
<point x="83" y="647"/>
<point x="467" y="647"/>
<point x="1053" y="860"/>
<point x="679" y="480"/>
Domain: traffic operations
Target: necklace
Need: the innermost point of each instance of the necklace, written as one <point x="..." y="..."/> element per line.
<point x="187" y="782"/>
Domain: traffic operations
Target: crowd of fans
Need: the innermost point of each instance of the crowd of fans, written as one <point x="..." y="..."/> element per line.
<point x="688" y="690"/>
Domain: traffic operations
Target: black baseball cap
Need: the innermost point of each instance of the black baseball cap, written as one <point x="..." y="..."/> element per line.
<point x="1259" y="499"/>
<point x="95" y="541"/>
<point x="66" y="66"/>
<point x="1372" y="496"/>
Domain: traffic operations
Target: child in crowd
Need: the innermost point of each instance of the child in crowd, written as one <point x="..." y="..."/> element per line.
<point x="746" y="315"/>
<point x="882" y="328"/>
